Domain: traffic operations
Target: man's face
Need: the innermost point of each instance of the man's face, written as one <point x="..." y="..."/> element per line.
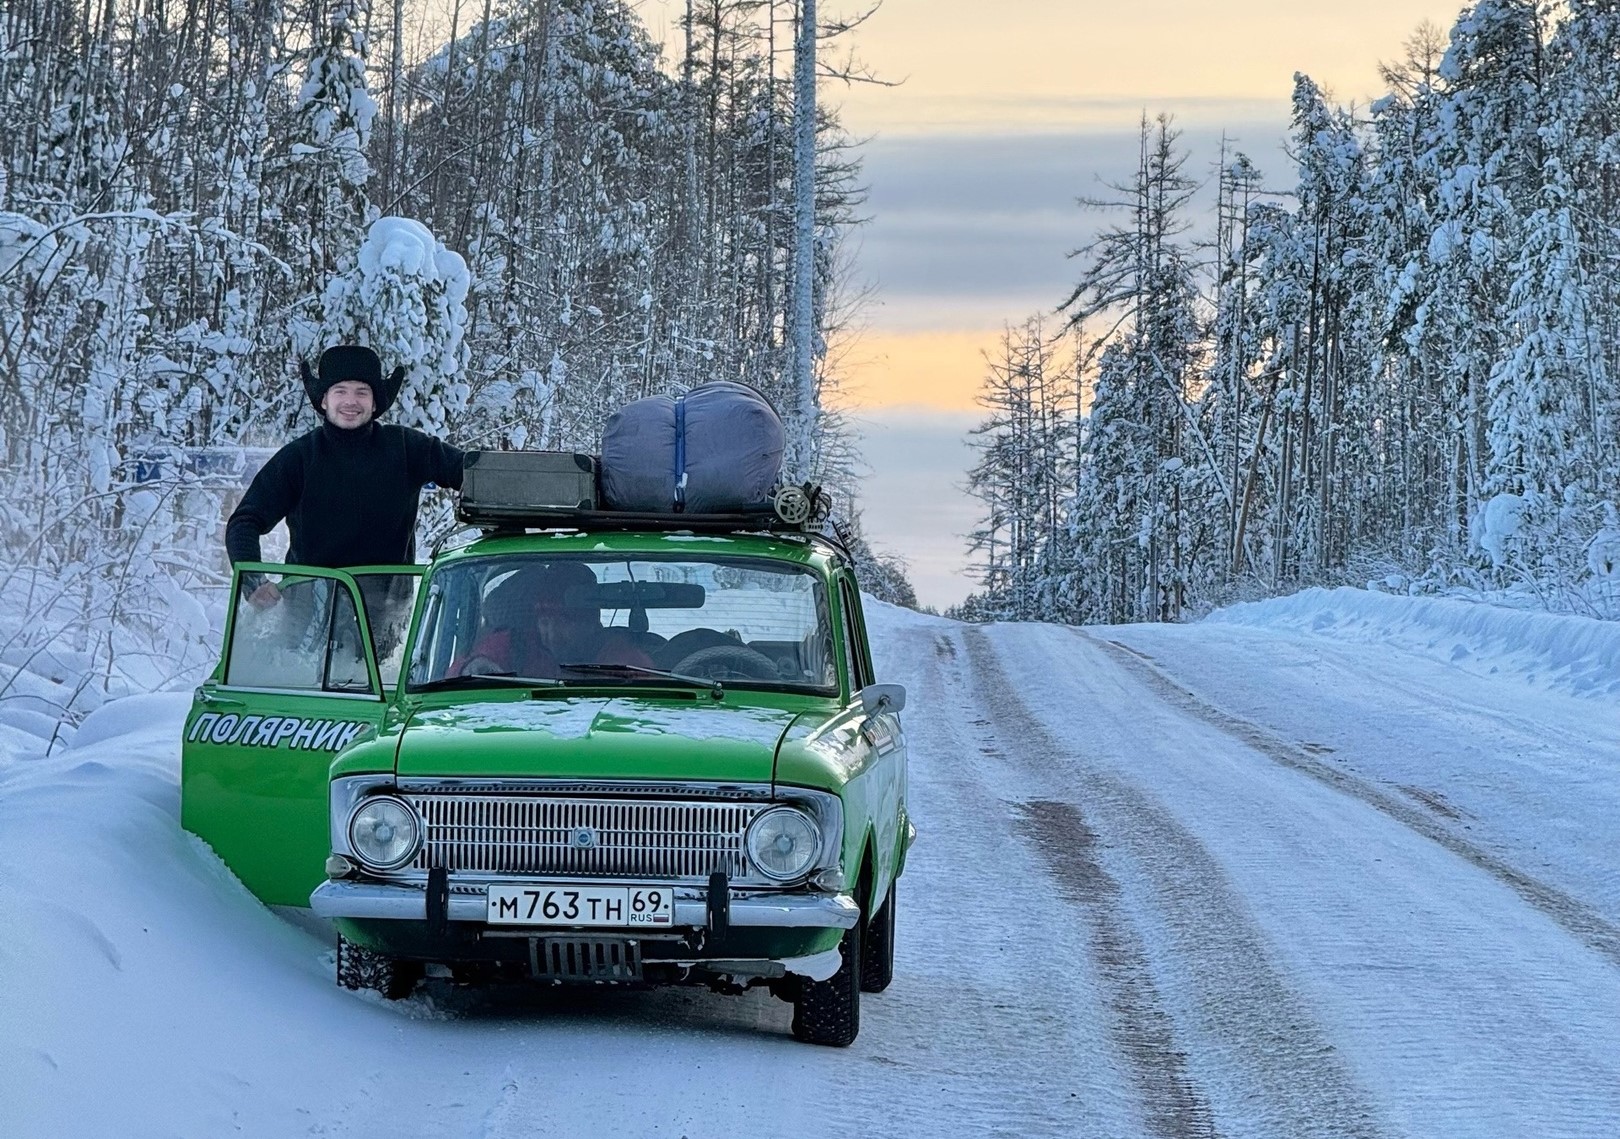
<point x="349" y="404"/>
<point x="559" y="624"/>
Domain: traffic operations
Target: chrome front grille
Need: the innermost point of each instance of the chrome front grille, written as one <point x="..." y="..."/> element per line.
<point x="625" y="838"/>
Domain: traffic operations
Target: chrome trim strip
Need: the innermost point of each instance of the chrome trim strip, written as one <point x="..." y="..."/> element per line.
<point x="740" y="792"/>
<point x="338" y="899"/>
<point x="784" y="911"/>
<point x="402" y="902"/>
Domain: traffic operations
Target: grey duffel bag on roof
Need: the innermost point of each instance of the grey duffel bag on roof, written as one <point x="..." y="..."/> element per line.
<point x="715" y="450"/>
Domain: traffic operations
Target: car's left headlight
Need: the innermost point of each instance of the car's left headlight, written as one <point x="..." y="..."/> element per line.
<point x="784" y="843"/>
<point x="384" y="833"/>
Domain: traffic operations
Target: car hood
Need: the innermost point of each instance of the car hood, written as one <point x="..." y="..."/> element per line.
<point x="601" y="737"/>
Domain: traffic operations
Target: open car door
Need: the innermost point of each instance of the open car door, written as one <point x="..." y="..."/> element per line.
<point x="299" y="681"/>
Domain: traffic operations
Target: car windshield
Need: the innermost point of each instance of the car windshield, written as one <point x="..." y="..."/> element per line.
<point x="591" y="619"/>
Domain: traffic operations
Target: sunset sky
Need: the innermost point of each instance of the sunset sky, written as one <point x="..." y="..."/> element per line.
<point x="1006" y="113"/>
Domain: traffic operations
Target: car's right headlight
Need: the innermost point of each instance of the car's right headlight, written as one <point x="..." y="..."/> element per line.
<point x="784" y="843"/>
<point x="384" y="833"/>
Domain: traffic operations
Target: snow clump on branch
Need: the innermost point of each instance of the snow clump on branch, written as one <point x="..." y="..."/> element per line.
<point x="406" y="297"/>
<point x="1500" y="522"/>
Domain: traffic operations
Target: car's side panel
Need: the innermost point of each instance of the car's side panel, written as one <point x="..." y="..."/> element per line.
<point x="882" y="734"/>
<point x="888" y="818"/>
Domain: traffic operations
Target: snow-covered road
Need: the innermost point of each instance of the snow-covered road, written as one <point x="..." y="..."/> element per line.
<point x="1232" y="878"/>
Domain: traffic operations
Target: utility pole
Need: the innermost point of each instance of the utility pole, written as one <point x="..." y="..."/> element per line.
<point x="801" y="445"/>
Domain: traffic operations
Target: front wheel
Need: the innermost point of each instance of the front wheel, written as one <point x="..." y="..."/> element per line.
<point x="829" y="1012"/>
<point x="361" y="968"/>
<point x="877" y="949"/>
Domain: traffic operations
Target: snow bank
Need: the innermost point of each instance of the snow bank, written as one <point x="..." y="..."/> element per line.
<point x="160" y="711"/>
<point x="884" y="618"/>
<point x="150" y="992"/>
<point x="1577" y="655"/>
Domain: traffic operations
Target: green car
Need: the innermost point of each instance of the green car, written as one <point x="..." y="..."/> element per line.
<point x="595" y="755"/>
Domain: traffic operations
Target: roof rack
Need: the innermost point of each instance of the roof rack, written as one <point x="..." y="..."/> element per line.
<point x="544" y="490"/>
<point x="536" y="519"/>
<point x="513" y="520"/>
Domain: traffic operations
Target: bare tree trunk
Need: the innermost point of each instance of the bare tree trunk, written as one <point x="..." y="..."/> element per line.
<point x="1312" y="341"/>
<point x="801" y="459"/>
<point x="1254" y="467"/>
<point x="396" y="83"/>
<point x="1330" y="427"/>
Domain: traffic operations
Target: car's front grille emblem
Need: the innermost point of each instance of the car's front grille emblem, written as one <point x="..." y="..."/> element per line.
<point x="584" y="838"/>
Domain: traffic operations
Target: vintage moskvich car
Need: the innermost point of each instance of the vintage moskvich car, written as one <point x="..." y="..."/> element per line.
<point x="582" y="750"/>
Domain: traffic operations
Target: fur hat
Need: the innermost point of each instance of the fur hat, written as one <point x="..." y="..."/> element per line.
<point x="343" y="362"/>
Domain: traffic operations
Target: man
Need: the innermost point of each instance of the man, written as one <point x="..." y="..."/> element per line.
<point x="559" y="624"/>
<point x="349" y="490"/>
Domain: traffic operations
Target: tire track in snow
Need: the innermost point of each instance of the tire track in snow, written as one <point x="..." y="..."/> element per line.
<point x="1297" y="1086"/>
<point x="987" y="1045"/>
<point x="1577" y="918"/>
<point x="499" y="1121"/>
<point x="1175" y="1108"/>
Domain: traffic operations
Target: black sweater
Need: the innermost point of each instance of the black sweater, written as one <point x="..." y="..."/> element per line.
<point x="349" y="496"/>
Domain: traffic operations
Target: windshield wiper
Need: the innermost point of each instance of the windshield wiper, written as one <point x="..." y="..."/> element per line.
<point x="628" y="670"/>
<point x="485" y="680"/>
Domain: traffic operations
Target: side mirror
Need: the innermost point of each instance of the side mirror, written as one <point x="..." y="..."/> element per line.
<point x="877" y="699"/>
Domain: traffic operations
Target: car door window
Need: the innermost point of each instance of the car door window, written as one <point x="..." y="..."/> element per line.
<point x="308" y="641"/>
<point x="389" y="599"/>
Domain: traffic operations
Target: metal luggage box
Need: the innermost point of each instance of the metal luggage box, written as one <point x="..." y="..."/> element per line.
<point x="509" y="486"/>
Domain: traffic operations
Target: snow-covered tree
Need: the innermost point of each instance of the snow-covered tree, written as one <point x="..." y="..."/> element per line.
<point x="1022" y="473"/>
<point x="1139" y="277"/>
<point x="327" y="166"/>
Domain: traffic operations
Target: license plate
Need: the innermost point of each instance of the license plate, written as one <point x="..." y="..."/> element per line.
<point x="580" y="904"/>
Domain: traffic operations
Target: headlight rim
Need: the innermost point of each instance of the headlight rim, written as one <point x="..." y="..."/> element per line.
<point x="411" y="850"/>
<point x="815" y="846"/>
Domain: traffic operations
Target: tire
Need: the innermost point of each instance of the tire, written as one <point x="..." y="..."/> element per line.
<point x="829" y="1012"/>
<point x="359" y="968"/>
<point x="877" y="947"/>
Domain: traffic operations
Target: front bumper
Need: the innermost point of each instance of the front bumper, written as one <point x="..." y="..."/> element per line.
<point x="405" y="901"/>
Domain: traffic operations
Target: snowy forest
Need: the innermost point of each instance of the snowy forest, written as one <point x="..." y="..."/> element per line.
<point x="1403" y="372"/>
<point x="524" y="202"/>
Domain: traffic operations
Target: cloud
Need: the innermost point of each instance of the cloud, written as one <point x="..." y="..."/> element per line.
<point x="1010" y="113"/>
<point x="973" y="224"/>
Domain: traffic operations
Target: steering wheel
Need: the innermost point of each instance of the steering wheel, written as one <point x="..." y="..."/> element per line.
<point x="478" y="666"/>
<point x="729" y="662"/>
